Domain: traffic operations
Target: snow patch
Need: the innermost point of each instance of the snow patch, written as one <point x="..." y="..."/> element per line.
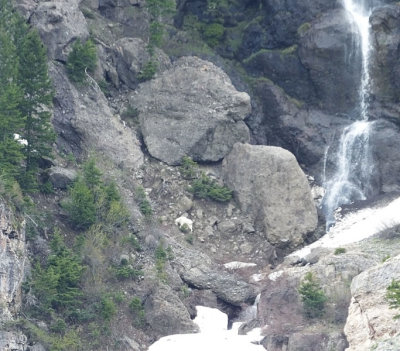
<point x="213" y="335"/>
<point x="357" y="226"/>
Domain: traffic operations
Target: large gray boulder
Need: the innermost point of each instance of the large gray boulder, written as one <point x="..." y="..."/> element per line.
<point x="198" y="270"/>
<point x="191" y="109"/>
<point x="270" y="186"/>
<point x="166" y="313"/>
<point x="59" y="23"/>
<point x="329" y="52"/>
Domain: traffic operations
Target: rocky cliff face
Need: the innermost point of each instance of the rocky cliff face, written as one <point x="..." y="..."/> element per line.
<point x="275" y="76"/>
<point x="13" y="263"/>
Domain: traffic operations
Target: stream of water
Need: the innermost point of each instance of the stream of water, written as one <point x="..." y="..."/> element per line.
<point x="353" y="161"/>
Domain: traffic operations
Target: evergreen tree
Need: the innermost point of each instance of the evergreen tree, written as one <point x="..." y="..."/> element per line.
<point x="36" y="105"/>
<point x="11" y="119"/>
<point x="312" y="296"/>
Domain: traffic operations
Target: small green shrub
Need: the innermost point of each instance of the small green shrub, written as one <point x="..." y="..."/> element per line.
<point x="189" y="239"/>
<point x="213" y="33"/>
<point x="107" y="308"/>
<point x="312" y="296"/>
<point x="144" y="204"/>
<point x="80" y="205"/>
<point x="184" y="228"/>
<point x="340" y="250"/>
<point x="148" y="71"/>
<point x="385" y="258"/>
<point x="125" y="271"/>
<point x="130" y="112"/>
<point x="46" y="188"/>
<point x="189" y="168"/>
<point x="204" y="187"/>
<point x="393" y="295"/>
<point x="81" y="60"/>
<point x="137" y="309"/>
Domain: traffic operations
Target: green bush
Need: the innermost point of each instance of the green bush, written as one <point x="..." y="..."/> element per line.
<point x="188" y="168"/>
<point x="80" y="206"/>
<point x="205" y="187"/>
<point x="125" y="271"/>
<point x="137" y="309"/>
<point x="340" y="250"/>
<point x="81" y="60"/>
<point x="312" y="296"/>
<point x="107" y="308"/>
<point x="143" y="202"/>
<point x="57" y="284"/>
<point x="213" y="33"/>
<point x="393" y="295"/>
<point x="148" y="71"/>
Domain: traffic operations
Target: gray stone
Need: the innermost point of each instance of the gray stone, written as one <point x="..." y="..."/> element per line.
<point x="59" y="23"/>
<point x="132" y="55"/>
<point x="61" y="178"/>
<point x="166" y="313"/>
<point x="272" y="189"/>
<point x="197" y="269"/>
<point x="83" y="121"/>
<point x="191" y="109"/>
<point x="370" y="319"/>
<point x="185" y="204"/>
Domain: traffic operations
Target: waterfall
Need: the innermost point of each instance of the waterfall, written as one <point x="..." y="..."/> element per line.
<point x="353" y="161"/>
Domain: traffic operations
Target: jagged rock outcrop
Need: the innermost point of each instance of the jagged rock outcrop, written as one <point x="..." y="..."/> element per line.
<point x="84" y="121"/>
<point x="59" y="23"/>
<point x="370" y="320"/>
<point x="191" y="109"/>
<point x="270" y="186"/>
<point x="13" y="262"/>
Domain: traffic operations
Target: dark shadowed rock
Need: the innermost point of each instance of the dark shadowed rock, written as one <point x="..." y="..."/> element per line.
<point x="191" y="109"/>
<point x="62" y="177"/>
<point x="329" y="51"/>
<point x="385" y="24"/>
<point x="385" y="146"/>
<point x="270" y="186"/>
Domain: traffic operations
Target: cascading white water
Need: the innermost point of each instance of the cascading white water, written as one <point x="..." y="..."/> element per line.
<point x="350" y="181"/>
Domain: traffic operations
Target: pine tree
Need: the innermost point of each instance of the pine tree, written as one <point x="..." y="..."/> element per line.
<point x="36" y="105"/>
<point x="11" y="119"/>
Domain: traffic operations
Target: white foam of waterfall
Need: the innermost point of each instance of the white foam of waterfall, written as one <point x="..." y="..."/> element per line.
<point x="353" y="160"/>
<point x="213" y="335"/>
<point x="359" y="15"/>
